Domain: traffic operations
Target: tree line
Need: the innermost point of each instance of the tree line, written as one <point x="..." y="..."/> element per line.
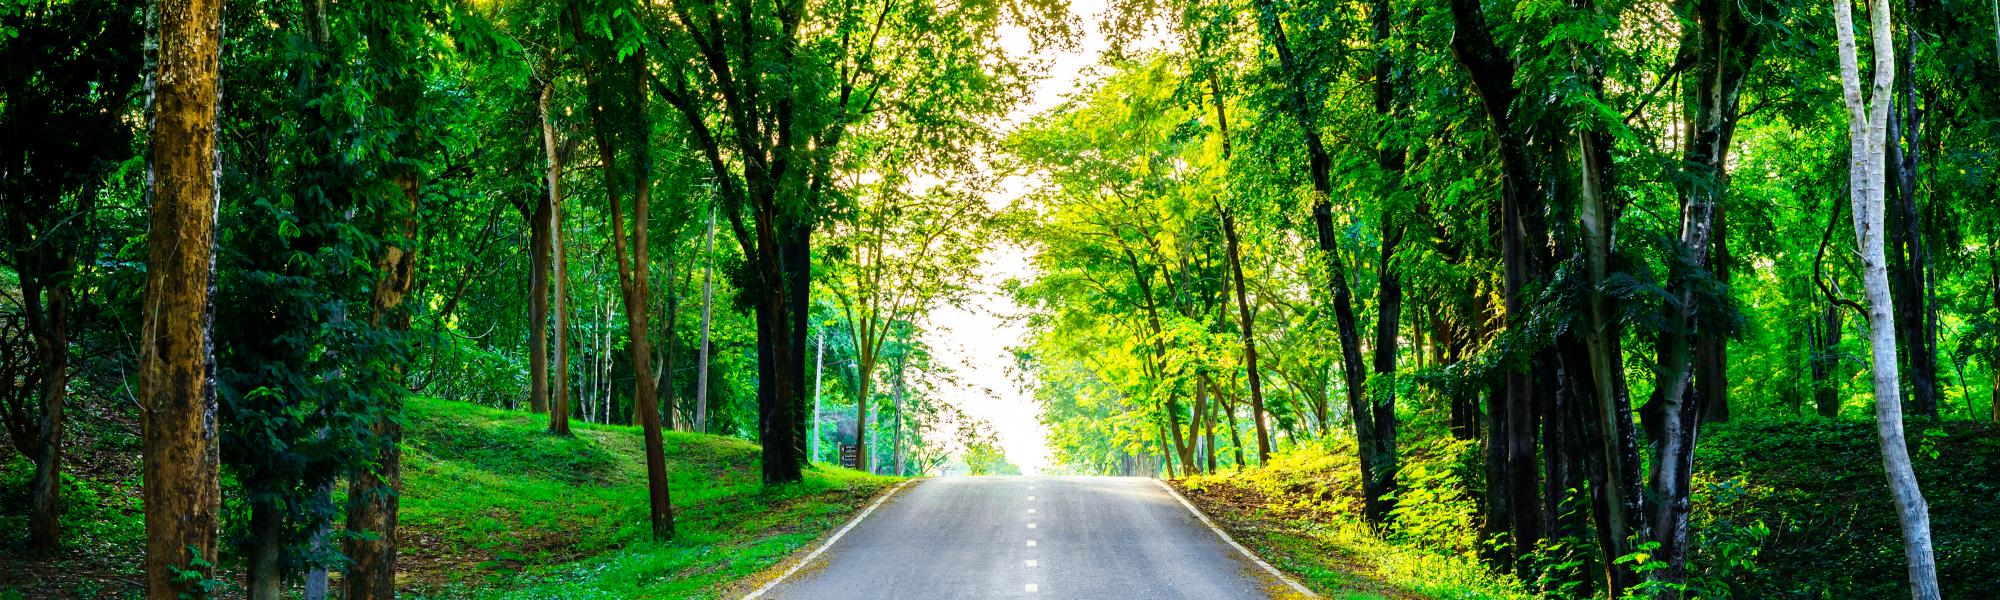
<point x="1573" y="232"/>
<point x="259" y="228"/>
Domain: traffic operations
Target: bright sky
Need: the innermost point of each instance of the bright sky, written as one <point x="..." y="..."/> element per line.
<point x="977" y="339"/>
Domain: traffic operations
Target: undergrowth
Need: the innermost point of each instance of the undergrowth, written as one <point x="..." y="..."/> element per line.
<point x="492" y="507"/>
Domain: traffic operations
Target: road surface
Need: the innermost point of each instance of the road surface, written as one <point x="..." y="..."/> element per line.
<point x="977" y="538"/>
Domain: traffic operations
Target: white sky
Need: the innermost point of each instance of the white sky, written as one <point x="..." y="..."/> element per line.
<point x="977" y="339"/>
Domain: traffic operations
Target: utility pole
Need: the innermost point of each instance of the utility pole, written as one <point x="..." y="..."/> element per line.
<point x="819" y="370"/>
<point x="707" y="306"/>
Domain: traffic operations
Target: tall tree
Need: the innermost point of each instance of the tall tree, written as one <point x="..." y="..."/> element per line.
<point x="1868" y="117"/>
<point x="771" y="121"/>
<point x="182" y="491"/>
<point x="397" y="34"/>
<point x="1302" y="103"/>
<point x="901" y="255"/>
<point x="67" y="87"/>
<point x="616" y="75"/>
<point x="708" y="321"/>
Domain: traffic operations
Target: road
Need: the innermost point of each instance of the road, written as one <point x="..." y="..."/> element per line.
<point x="1088" y="538"/>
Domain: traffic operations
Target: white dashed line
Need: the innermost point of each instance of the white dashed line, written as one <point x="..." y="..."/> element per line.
<point x="1031" y="587"/>
<point x="1031" y="511"/>
<point x="1031" y="525"/>
<point x="1031" y="543"/>
<point x="1031" y="498"/>
<point x="1031" y="563"/>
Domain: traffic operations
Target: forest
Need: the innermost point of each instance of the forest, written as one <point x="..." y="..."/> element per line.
<point x="607" y="298"/>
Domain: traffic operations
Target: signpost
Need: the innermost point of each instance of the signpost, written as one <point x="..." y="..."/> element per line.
<point x="848" y="455"/>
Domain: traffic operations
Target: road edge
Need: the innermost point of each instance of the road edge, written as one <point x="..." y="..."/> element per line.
<point x="759" y="592"/>
<point x="1232" y="542"/>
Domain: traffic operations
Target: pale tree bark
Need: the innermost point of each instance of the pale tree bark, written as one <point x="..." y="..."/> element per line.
<point x="539" y="253"/>
<point x="1868" y="131"/>
<point x="819" y="371"/>
<point x="707" y="313"/>
<point x="560" y="401"/>
<point x="181" y="490"/>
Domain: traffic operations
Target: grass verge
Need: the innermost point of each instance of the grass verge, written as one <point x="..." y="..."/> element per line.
<point x="1301" y="512"/>
<point x="492" y="507"/>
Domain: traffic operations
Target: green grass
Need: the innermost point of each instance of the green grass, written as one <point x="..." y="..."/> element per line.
<point x="495" y="507"/>
<point x="1301" y="512"/>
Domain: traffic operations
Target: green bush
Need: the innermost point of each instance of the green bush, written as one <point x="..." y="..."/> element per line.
<point x="1801" y="509"/>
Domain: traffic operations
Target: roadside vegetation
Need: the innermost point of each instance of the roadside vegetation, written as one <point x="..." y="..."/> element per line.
<point x="1786" y="512"/>
<point x="495" y="507"/>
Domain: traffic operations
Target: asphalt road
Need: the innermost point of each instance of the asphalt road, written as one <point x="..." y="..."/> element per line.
<point x="1094" y="538"/>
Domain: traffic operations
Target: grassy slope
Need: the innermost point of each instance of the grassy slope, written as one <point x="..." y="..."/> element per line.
<point x="1302" y="513"/>
<point x="1815" y="486"/>
<point x="494" y="507"/>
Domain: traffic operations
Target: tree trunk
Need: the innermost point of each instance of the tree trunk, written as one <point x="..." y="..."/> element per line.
<point x="1868" y="118"/>
<point x="539" y="253"/>
<point x="1208" y="425"/>
<point x="50" y="325"/>
<point x="182" y="494"/>
<point x="1724" y="47"/>
<point x="633" y="269"/>
<point x="1172" y="408"/>
<point x="1347" y="327"/>
<point x="267" y="549"/>
<point x="1512" y="412"/>
<point x="560" y="403"/>
<point x="1198" y="414"/>
<point x="1711" y="352"/>
<point x="1909" y="260"/>
<point x="707" y="312"/>
<point x="1379" y="493"/>
<point x="1246" y="322"/>
<point x="1235" y="439"/>
<point x="1825" y="348"/>
<point x="864" y="387"/>
<point x="374" y="491"/>
<point x="897" y="450"/>
<point x="819" y="372"/>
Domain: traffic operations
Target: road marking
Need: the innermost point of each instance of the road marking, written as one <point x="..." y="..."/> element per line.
<point x="1031" y="587"/>
<point x="1031" y="544"/>
<point x="1232" y="542"/>
<point x="1031" y="498"/>
<point x="1031" y="563"/>
<point x="829" y="542"/>
<point x="1031" y="511"/>
<point x="1031" y="525"/>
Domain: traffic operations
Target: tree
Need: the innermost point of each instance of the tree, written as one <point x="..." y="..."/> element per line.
<point x="66" y="87"/>
<point x="616" y="74"/>
<point x="769" y="95"/>
<point x="1868" y="117"/>
<point x="708" y="321"/>
<point x="183" y="495"/>
<point x="901" y="255"/>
